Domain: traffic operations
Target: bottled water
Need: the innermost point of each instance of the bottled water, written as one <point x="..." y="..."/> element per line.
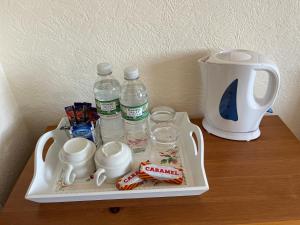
<point x="107" y="93"/>
<point x="134" y="108"/>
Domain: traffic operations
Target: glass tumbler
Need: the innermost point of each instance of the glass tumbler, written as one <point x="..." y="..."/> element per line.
<point x="163" y="131"/>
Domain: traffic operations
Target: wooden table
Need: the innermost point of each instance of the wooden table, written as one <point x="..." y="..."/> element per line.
<point x="255" y="182"/>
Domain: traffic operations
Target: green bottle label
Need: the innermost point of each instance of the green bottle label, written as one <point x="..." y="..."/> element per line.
<point x="108" y="108"/>
<point x="135" y="113"/>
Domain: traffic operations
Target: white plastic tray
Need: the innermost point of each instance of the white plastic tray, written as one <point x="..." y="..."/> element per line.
<point x="46" y="185"/>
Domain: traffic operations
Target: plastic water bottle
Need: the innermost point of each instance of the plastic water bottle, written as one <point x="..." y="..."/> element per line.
<point x="134" y="108"/>
<point x="107" y="93"/>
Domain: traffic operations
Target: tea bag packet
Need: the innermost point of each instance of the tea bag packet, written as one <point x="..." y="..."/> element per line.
<point x="93" y="115"/>
<point x="81" y="111"/>
<point x="70" y="111"/>
<point x="83" y="120"/>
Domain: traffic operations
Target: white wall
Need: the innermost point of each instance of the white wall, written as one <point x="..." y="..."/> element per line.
<point x="15" y="139"/>
<point x="50" y="48"/>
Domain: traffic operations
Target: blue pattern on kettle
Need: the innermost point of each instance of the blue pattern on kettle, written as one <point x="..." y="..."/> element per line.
<point x="227" y="106"/>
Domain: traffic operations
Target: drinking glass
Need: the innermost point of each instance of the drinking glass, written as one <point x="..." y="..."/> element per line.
<point x="163" y="130"/>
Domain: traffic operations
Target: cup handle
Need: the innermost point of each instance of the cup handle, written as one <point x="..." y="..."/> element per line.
<point x="69" y="175"/>
<point x="100" y="176"/>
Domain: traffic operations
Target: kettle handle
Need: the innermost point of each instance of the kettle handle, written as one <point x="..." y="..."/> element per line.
<point x="273" y="85"/>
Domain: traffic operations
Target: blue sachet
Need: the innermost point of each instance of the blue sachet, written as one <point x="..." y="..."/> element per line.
<point x="85" y="130"/>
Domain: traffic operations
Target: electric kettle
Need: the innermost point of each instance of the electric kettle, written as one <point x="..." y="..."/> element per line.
<point x="231" y="109"/>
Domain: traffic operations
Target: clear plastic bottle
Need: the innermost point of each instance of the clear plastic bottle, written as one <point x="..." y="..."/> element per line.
<point x="107" y="93"/>
<point x="134" y="108"/>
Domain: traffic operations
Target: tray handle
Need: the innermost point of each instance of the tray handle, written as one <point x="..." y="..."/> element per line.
<point x="195" y="129"/>
<point x="38" y="155"/>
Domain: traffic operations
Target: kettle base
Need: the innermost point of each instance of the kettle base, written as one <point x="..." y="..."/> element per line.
<point x="237" y="136"/>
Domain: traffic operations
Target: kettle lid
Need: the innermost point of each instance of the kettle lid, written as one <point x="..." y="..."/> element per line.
<point x="237" y="56"/>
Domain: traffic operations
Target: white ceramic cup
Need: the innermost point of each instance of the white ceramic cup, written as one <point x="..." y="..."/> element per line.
<point x="113" y="160"/>
<point x="77" y="159"/>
